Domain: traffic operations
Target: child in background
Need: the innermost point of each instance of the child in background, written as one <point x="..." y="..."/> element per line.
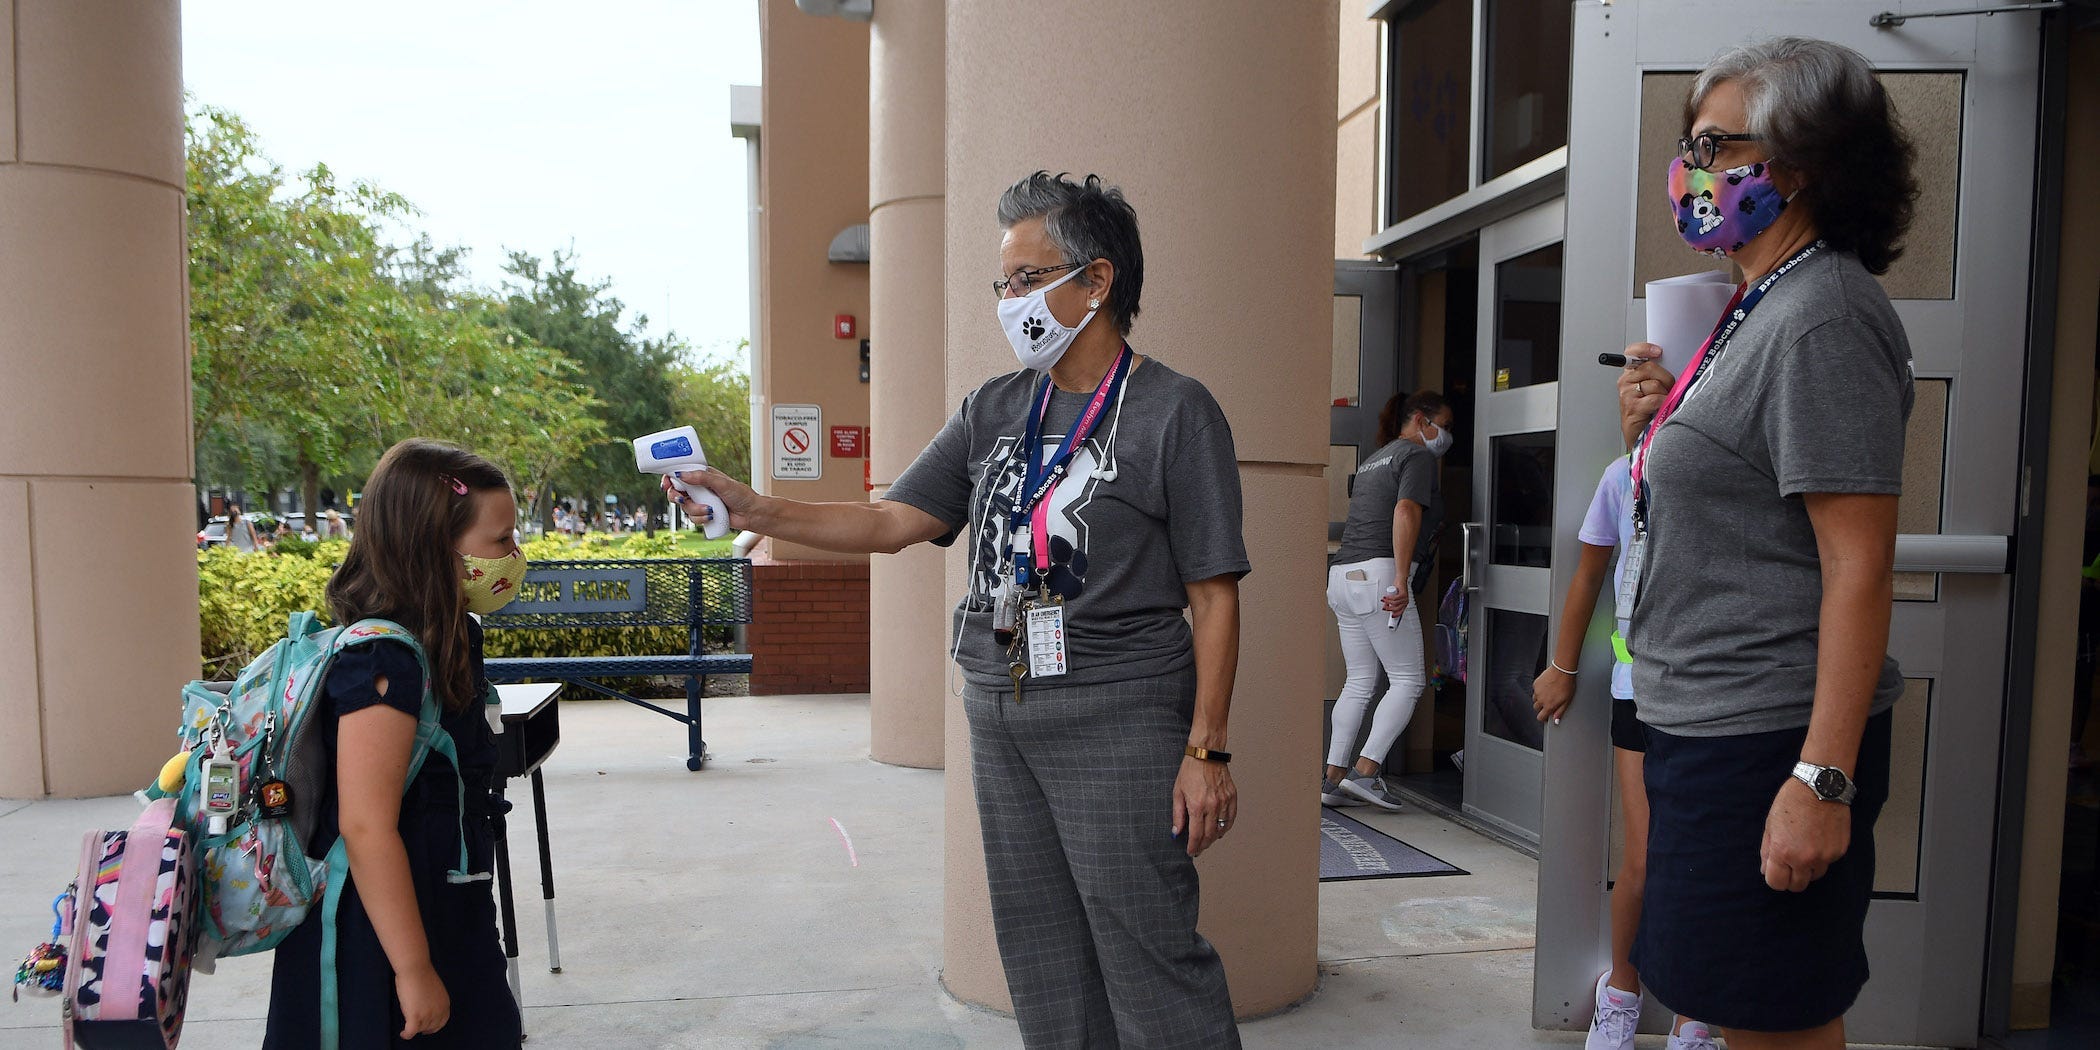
<point x="1606" y="530"/>
<point x="417" y="955"/>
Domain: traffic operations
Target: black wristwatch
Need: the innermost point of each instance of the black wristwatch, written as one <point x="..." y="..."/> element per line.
<point x="1828" y="782"/>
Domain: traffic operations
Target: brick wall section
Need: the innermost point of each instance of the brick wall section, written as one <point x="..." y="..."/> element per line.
<point x="809" y="629"/>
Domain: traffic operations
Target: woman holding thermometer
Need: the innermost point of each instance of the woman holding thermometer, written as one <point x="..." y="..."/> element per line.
<point x="1102" y="494"/>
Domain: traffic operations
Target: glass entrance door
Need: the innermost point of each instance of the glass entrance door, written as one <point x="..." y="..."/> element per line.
<point x="1508" y="546"/>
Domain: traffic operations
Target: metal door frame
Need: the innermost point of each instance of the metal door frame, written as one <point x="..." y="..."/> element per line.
<point x="1377" y="286"/>
<point x="1922" y="991"/>
<point x="1502" y="778"/>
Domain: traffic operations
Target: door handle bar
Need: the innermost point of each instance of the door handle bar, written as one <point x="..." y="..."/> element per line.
<point x="1986" y="555"/>
<point x="1465" y="554"/>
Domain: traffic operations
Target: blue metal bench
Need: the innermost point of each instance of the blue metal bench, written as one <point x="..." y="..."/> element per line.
<point x="689" y="593"/>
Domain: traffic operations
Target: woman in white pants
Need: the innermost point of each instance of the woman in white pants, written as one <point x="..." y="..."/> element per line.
<point x="1393" y="509"/>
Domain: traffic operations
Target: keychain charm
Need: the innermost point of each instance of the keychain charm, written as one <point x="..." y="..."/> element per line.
<point x="1004" y="612"/>
<point x="273" y="799"/>
<point x="221" y="787"/>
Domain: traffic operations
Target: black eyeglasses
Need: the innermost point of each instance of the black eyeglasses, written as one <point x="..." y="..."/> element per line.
<point x="1026" y="279"/>
<point x="1701" y="149"/>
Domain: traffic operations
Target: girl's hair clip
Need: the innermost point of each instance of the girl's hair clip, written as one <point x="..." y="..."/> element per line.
<point x="458" y="487"/>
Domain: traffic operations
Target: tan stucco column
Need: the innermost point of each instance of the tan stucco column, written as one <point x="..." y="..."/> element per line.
<point x="907" y="388"/>
<point x="98" y="611"/>
<point x="1216" y="126"/>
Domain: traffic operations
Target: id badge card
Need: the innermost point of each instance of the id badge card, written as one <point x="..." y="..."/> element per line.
<point x="1630" y="575"/>
<point x="1046" y="641"/>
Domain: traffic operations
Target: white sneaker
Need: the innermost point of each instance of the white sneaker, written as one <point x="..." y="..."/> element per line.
<point x="1331" y="794"/>
<point x="1618" y="1014"/>
<point x="1372" y="790"/>
<point x="1693" y="1036"/>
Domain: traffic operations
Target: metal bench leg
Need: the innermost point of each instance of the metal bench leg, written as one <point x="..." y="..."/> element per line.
<point x="539" y="816"/>
<point x="696" y="748"/>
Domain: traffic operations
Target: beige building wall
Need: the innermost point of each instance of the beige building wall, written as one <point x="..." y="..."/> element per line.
<point x="814" y="156"/>
<point x="1201" y="121"/>
<point x="2070" y="438"/>
<point x="1358" y="115"/>
<point x="908" y="612"/>
<point x="95" y="451"/>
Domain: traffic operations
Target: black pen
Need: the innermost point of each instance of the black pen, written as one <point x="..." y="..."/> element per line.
<point x="1612" y="360"/>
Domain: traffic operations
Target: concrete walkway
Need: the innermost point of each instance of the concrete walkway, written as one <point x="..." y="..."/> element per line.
<point x="720" y="909"/>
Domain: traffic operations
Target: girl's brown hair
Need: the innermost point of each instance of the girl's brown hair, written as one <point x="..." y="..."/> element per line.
<point x="404" y="561"/>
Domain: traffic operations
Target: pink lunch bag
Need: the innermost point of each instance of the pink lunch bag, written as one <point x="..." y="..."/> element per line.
<point x="133" y="934"/>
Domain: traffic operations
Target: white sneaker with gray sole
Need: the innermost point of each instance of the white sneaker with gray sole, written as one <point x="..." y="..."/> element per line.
<point x="1372" y="790"/>
<point x="1331" y="794"/>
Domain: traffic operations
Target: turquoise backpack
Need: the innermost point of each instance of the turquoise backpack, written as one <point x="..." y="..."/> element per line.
<point x="257" y="883"/>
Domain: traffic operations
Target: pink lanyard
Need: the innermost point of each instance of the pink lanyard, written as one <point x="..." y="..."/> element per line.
<point x="1670" y="403"/>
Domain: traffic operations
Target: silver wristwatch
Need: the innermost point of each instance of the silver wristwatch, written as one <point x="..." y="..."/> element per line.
<point x="1828" y="782"/>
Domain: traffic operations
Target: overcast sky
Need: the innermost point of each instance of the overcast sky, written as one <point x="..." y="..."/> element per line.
<point x="528" y="124"/>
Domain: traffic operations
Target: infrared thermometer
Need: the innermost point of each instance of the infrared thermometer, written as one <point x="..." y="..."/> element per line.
<point x="669" y="451"/>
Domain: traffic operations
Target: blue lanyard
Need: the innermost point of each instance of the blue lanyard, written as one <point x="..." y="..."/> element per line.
<point x="1041" y="476"/>
<point x="1723" y="331"/>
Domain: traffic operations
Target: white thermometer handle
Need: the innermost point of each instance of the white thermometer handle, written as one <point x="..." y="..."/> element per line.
<point x="717" y="526"/>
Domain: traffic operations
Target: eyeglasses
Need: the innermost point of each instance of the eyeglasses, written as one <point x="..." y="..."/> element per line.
<point x="1024" y="281"/>
<point x="1703" y="148"/>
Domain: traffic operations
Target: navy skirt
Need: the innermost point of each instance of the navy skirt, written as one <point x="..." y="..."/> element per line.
<point x="1715" y="942"/>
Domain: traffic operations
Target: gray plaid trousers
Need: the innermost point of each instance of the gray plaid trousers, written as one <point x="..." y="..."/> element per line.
<point x="1093" y="900"/>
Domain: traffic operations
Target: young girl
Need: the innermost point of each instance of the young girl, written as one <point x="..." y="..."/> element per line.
<point x="1606" y="529"/>
<point x="417" y="956"/>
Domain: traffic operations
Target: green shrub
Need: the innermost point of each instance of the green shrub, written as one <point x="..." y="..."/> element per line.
<point x="296" y="547"/>
<point x="245" y="601"/>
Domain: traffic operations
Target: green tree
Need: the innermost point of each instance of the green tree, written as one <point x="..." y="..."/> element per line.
<point x="285" y="289"/>
<point x="715" y="397"/>
<point x="317" y="345"/>
<point x="628" y="373"/>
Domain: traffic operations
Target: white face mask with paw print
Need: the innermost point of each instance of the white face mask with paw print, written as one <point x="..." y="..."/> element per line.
<point x="1037" y="337"/>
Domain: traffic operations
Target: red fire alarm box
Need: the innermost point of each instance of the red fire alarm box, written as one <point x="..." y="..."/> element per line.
<point x="842" y="326"/>
<point x="846" y="442"/>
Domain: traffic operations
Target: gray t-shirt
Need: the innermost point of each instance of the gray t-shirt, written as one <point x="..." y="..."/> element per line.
<point x="1124" y="545"/>
<point x="1402" y="470"/>
<point x="1810" y="395"/>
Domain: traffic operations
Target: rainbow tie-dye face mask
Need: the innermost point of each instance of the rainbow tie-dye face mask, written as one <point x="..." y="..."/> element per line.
<point x="1720" y="211"/>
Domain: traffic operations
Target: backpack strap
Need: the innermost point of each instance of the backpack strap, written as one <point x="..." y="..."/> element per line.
<point x="331" y="901"/>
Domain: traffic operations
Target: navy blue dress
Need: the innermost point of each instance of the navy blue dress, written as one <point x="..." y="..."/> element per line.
<point x="459" y="920"/>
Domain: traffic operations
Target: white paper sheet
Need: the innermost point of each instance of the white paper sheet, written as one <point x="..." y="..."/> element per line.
<point x="1682" y="312"/>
